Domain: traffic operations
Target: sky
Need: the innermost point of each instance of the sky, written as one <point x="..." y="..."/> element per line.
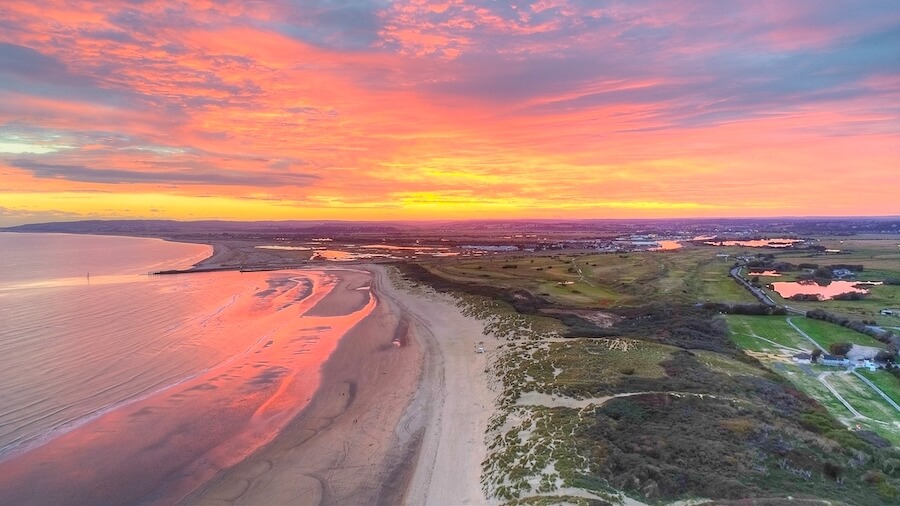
<point x="455" y="109"/>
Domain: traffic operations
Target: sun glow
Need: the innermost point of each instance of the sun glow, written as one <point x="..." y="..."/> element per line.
<point x="553" y="111"/>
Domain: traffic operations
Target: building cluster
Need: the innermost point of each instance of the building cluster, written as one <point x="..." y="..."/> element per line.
<point x="836" y="361"/>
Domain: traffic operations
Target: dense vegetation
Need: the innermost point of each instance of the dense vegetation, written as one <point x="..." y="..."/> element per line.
<point x="696" y="424"/>
<point x="695" y="447"/>
<point x="747" y="309"/>
<point x="660" y="402"/>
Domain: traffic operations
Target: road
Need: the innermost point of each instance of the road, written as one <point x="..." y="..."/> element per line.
<point x="757" y="292"/>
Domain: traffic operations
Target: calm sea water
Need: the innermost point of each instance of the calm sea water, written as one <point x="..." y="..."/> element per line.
<point x="155" y="379"/>
<point x="71" y="346"/>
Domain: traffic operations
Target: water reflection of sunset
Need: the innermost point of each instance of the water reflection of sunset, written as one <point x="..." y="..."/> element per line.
<point x="824" y="291"/>
<point x="212" y="419"/>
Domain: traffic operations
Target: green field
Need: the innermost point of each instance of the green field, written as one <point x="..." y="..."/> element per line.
<point x="863" y="398"/>
<point x="854" y="391"/>
<point x="887" y="382"/>
<point x="826" y="333"/>
<point x="746" y="331"/>
<point x="591" y="280"/>
<point x="805" y="379"/>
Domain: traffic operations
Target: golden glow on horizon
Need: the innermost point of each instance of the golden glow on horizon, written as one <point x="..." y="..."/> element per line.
<point x="412" y="206"/>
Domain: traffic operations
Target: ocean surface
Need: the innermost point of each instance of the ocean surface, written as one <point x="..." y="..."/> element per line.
<point x="121" y="387"/>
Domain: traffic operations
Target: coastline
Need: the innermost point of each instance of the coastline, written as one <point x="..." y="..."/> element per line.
<point x="388" y="424"/>
<point x="454" y="402"/>
<point x="350" y="445"/>
<point x="429" y="413"/>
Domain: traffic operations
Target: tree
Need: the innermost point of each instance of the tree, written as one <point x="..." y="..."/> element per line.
<point x="816" y="354"/>
<point x="840" y="348"/>
<point x="884" y="356"/>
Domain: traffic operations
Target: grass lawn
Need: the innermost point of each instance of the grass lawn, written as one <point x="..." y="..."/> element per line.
<point x="887" y="382"/>
<point x="603" y="280"/>
<point x="862" y="401"/>
<point x="750" y="343"/>
<point x="805" y="380"/>
<point x="744" y="330"/>
<point x="826" y="333"/>
<point x="863" y="398"/>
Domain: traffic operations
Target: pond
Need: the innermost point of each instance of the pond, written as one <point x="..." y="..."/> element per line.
<point x="827" y="291"/>
<point x="666" y="246"/>
<point x="774" y="274"/>
<point x="758" y="243"/>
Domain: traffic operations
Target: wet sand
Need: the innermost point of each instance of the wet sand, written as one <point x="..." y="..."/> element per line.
<point x="352" y="444"/>
<point x="389" y="425"/>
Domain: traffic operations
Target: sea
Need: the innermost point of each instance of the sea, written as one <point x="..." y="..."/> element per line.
<point x="119" y="386"/>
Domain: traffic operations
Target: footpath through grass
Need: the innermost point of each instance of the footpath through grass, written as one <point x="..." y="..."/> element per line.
<point x="755" y="332"/>
<point x="826" y="333"/>
<point x="746" y="331"/>
<point x="887" y="382"/>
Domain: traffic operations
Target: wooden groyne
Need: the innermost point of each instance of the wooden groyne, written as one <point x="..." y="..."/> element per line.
<point x="195" y="270"/>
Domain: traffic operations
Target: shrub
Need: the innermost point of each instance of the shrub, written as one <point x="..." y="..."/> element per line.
<point x="840" y="348"/>
<point x="832" y="470"/>
<point x="873" y="477"/>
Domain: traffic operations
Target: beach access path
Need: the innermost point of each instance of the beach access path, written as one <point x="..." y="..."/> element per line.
<point x="454" y="396"/>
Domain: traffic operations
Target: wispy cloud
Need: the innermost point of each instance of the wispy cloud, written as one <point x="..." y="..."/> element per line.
<point x="401" y="107"/>
<point x="115" y="176"/>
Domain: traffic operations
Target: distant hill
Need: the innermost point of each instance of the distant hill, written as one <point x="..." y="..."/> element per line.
<point x="172" y="227"/>
<point x="797" y="226"/>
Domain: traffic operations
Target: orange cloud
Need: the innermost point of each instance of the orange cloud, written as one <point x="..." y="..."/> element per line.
<point x="456" y="109"/>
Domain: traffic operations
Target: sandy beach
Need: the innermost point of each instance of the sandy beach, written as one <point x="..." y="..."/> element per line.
<point x="389" y="424"/>
<point x="335" y="387"/>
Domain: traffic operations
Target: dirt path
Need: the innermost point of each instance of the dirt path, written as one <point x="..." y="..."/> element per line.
<point x="790" y="321"/>
<point x="781" y="346"/>
<point x="581" y="274"/>
<point x="559" y="401"/>
<point x="878" y="390"/>
<point x="822" y="379"/>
